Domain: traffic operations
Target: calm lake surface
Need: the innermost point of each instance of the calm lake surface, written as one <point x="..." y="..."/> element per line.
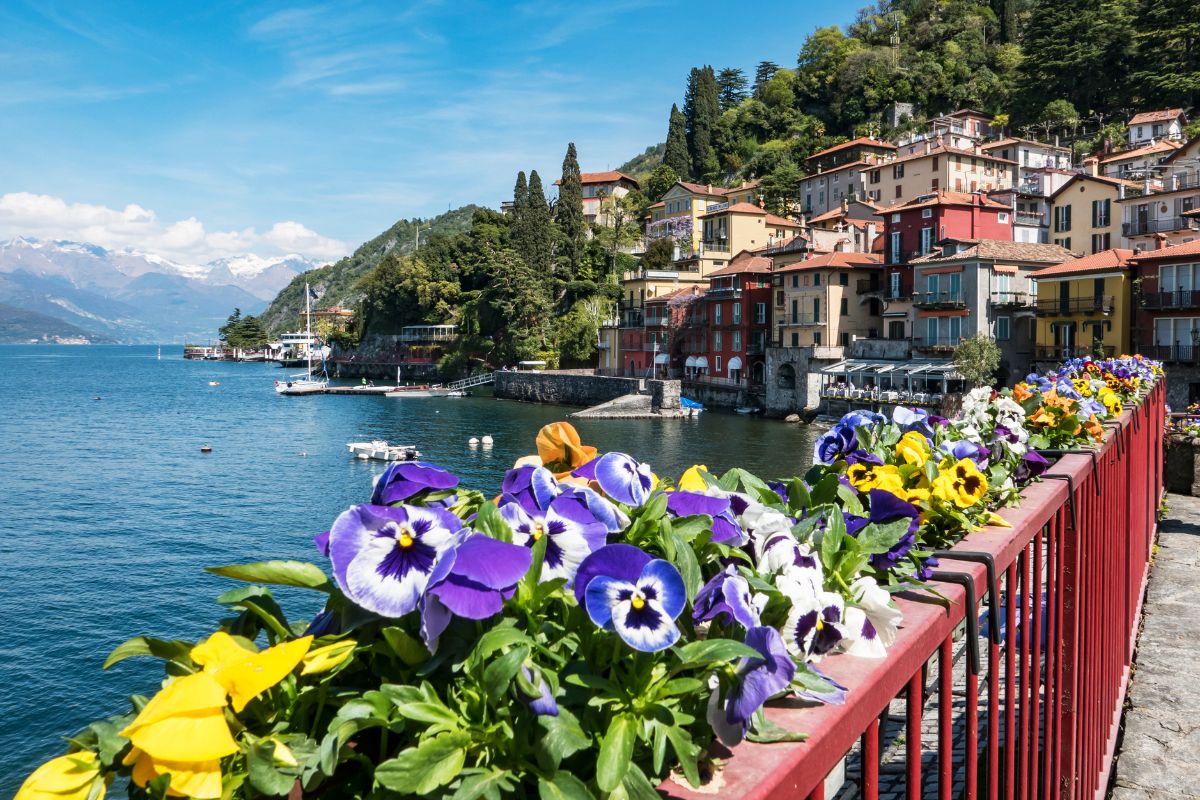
<point x="110" y="510"/>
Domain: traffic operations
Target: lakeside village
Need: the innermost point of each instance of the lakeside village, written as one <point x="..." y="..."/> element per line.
<point x="898" y="252"/>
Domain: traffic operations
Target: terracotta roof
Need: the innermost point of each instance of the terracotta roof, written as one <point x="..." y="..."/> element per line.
<point x="1161" y="146"/>
<point x="601" y="177"/>
<point x="1166" y="115"/>
<point x="835" y="260"/>
<point x="709" y="190"/>
<point x="1018" y="140"/>
<point x="945" y="197"/>
<point x="745" y="261"/>
<point x="1104" y="261"/>
<point x="1002" y="250"/>
<point x="861" y="140"/>
<point x="683" y="290"/>
<point x="780" y="222"/>
<point x="1186" y="249"/>
<point x="839" y="168"/>
<point x="1114" y="182"/>
<point x="944" y="149"/>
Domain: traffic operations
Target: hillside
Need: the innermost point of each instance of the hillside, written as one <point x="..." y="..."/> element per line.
<point x="643" y="164"/>
<point x="337" y="284"/>
<point x="20" y="326"/>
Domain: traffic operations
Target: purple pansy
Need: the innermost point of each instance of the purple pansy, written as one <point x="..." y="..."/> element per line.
<point x="757" y="679"/>
<point x="726" y="596"/>
<point x="623" y="478"/>
<point x="640" y="606"/>
<point x="863" y="457"/>
<point x="965" y="449"/>
<point x="321" y="540"/>
<point x="835" y="443"/>
<point x="401" y="481"/>
<point x="886" y="507"/>
<point x="571" y="529"/>
<point x="472" y="581"/>
<point x="615" y="520"/>
<point x="543" y="704"/>
<point x="1032" y="465"/>
<point x="725" y="529"/>
<point x="814" y="625"/>
<point x="912" y="419"/>
<point x="383" y="556"/>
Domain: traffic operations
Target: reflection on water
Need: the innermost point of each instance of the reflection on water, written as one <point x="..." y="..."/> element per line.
<point x="112" y="511"/>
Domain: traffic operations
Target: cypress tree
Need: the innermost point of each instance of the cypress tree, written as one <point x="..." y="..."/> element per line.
<point x="537" y="245"/>
<point x="519" y="232"/>
<point x="520" y="196"/>
<point x="568" y="212"/>
<point x="763" y="74"/>
<point x="701" y="109"/>
<point x="676" y="154"/>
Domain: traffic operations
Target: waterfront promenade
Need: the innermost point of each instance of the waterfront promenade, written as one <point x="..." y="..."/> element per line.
<point x="1161" y="741"/>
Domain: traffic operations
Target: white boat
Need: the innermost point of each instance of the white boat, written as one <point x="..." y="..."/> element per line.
<point x="420" y="391"/>
<point x="304" y="383"/>
<point x="379" y="450"/>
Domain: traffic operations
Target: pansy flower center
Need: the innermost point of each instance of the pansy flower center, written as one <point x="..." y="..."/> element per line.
<point x="405" y="537"/>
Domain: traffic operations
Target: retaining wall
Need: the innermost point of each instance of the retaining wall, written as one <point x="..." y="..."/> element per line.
<point x="567" y="387"/>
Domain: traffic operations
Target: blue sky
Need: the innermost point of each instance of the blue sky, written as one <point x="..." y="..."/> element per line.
<point x="201" y="129"/>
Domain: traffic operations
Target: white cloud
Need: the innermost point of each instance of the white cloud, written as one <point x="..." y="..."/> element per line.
<point x="186" y="240"/>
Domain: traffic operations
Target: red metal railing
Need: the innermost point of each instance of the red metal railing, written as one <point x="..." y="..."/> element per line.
<point x="1017" y="716"/>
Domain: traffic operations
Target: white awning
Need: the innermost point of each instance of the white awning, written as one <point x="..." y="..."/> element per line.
<point x="701" y="362"/>
<point x="662" y="358"/>
<point x="735" y="362"/>
<point x="691" y="361"/>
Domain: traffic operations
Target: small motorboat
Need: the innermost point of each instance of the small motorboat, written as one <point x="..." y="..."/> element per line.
<point x="748" y="410"/>
<point x="689" y="407"/>
<point x="380" y="450"/>
<point x="421" y="390"/>
<point x="214" y="383"/>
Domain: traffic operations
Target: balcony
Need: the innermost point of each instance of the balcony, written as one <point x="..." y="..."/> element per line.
<point x="1160" y="225"/>
<point x="1182" y="298"/>
<point x="657" y="322"/>
<point x="1174" y="353"/>
<point x="755" y="349"/>
<point x="1058" y="353"/>
<point x="631" y="318"/>
<point x="724" y="292"/>
<point x="1029" y="218"/>
<point x="938" y="344"/>
<point x="869" y="286"/>
<point x="939" y="300"/>
<point x="714" y="247"/>
<point x="1062" y="307"/>
<point x="803" y="320"/>
<point x="653" y="347"/>
<point x="1011" y="300"/>
<point x="696" y="321"/>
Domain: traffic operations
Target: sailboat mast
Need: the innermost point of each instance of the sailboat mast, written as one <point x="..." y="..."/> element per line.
<point x="308" y="327"/>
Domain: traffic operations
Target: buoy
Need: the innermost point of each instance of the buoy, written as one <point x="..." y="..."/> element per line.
<point x="97" y="397"/>
<point x="487" y="440"/>
<point x="214" y="383"/>
<point x="473" y="441"/>
<point x="205" y="449"/>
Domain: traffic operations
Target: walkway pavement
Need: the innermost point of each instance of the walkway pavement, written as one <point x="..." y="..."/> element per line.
<point x="1160" y="750"/>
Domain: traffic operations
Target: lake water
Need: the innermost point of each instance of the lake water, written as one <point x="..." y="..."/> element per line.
<point x="110" y="511"/>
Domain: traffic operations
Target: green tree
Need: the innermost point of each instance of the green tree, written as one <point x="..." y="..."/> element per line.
<point x="1167" y="66"/>
<point x="731" y="86"/>
<point x="568" y="213"/>
<point x="516" y="308"/>
<point x="659" y="253"/>
<point x="701" y="110"/>
<point x="820" y="61"/>
<point x="781" y="187"/>
<point x="676" y="154"/>
<point x="578" y="331"/>
<point x="660" y="182"/>
<point x="245" y="333"/>
<point x="977" y="360"/>
<point x="763" y="73"/>
<point x="533" y="231"/>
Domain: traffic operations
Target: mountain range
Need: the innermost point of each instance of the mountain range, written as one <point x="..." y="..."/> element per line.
<point x="59" y="289"/>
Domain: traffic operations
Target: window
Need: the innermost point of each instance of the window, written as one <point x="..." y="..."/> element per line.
<point x="1003" y="325"/>
<point x="760" y="313"/>
<point x="795" y="339"/>
<point x="817" y="338"/>
<point x="845" y="307"/>
<point x="737" y="341"/>
<point x="816" y="279"/>
<point x="899" y="191"/>
<point x="796" y="280"/>
<point x="897" y="170"/>
<point x="816" y="309"/>
<point x="737" y="313"/>
<point x="1100" y="241"/>
<point x="874" y="176"/>
<point x="895" y="329"/>
<point x="717" y="371"/>
<point x="1002" y="217"/>
<point x="926" y="240"/>
<point x="717" y="313"/>
<point x="932" y="284"/>
<point x="779" y="297"/>
<point x="1002" y="287"/>
<point x="955" y="285"/>
<point x="1062" y="218"/>
<point x="1064" y="243"/>
<point x="1101" y="213"/>
<point x="843" y="279"/>
<point x="931" y="330"/>
<point x="894" y="285"/>
<point x="926" y="213"/>
<point x="934" y="185"/>
<point x="717" y="344"/>
<point x="845" y="339"/>
<point x="935" y="163"/>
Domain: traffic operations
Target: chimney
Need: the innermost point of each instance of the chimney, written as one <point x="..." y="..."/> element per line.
<point x="1160" y="241"/>
<point x="846" y="204"/>
<point x="1091" y="166"/>
<point x="710" y="189"/>
<point x="927" y="147"/>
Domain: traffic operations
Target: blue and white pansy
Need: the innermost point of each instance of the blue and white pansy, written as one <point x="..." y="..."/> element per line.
<point x="533" y="507"/>
<point x="383" y="556"/>
<point x="639" y="597"/>
<point x="624" y="479"/>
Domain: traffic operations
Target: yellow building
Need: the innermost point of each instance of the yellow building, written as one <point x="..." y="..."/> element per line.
<point x="1084" y="305"/>
<point x="1084" y="213"/>
<point x="928" y="166"/>
<point x="678" y="213"/>
<point x="827" y="299"/>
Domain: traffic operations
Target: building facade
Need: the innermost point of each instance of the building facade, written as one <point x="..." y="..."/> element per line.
<point x="1085" y="213"/>
<point x="1172" y="208"/>
<point x="826" y="299"/>
<point x="1150" y="126"/>
<point x="1084" y="307"/>
<point x="725" y="331"/>
<point x="1167" y="318"/>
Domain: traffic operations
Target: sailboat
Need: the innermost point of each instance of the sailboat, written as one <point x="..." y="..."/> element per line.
<point x="160" y="353"/>
<point x="304" y="383"/>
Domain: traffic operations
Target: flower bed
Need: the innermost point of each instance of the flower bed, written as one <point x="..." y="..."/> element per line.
<point x="595" y="626"/>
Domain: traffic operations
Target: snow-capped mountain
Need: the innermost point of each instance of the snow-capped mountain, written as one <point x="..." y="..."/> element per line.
<point x="136" y="296"/>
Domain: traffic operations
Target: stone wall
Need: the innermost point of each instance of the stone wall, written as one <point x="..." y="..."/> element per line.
<point x="884" y="349"/>
<point x="1180" y="472"/>
<point x="377" y="357"/>
<point x="717" y="395"/>
<point x="1180" y="383"/>
<point x="567" y="387"/>
<point x="664" y="394"/>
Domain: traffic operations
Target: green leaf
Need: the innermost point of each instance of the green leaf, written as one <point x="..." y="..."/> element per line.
<point x="687" y="528"/>
<point x="686" y="751"/>
<point x="831" y="537"/>
<point x="435" y="714"/>
<point x="798" y="496"/>
<point x="763" y="730"/>
<point x="655" y="507"/>
<point x="489" y="522"/>
<point x="497" y="639"/>
<point x="489" y="784"/>
<point x="499" y="674"/>
<point x="530" y="581"/>
<point x="168" y="650"/>
<point x="882" y="537"/>
<point x="420" y="770"/>
<point x="563" y="786"/>
<point x="616" y="752"/>
<point x="563" y="736"/>
<point x="689" y="567"/>
<point x="636" y="786"/>
<point x="677" y="686"/>
<point x="280" y="573"/>
<point x="264" y="774"/>
<point x="711" y="650"/>
<point x="408" y="648"/>
<point x="826" y="489"/>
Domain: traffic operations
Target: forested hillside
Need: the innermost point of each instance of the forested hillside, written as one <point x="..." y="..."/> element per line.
<point x="1072" y="68"/>
<point x="337" y="284"/>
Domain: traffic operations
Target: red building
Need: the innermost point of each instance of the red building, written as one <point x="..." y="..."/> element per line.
<point x="652" y="347"/>
<point x="726" y="330"/>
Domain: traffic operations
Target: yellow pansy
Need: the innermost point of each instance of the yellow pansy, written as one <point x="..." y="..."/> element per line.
<point x="244" y="673"/>
<point x="1110" y="400"/>
<point x="913" y="448"/>
<point x="197" y="779"/>
<point x="1084" y="387"/>
<point x="185" y="722"/>
<point x="915" y="495"/>
<point x="961" y="484"/>
<point x="323" y="659"/>
<point x="691" y="480"/>
<point x="68" y="777"/>
<point x="865" y="477"/>
<point x="560" y="449"/>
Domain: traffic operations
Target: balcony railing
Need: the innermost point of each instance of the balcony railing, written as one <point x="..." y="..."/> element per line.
<point x="696" y="321"/>
<point x="939" y="300"/>
<point x="1174" y="353"/>
<point x="1074" y="305"/>
<point x="1181" y="298"/>
<point x="799" y="319"/>
<point x="657" y="322"/>
<point x="1011" y="300"/>
<point x="937" y="344"/>
<point x="724" y="291"/>
<point x="1028" y="218"/>
<point x="715" y="247"/>
<point x="1160" y="225"/>
<point x="1063" y="352"/>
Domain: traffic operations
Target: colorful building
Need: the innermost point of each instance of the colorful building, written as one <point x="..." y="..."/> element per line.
<point x="930" y="165"/>
<point x="1172" y="208"/>
<point x="826" y="299"/>
<point x="598" y="187"/>
<point x="836" y="173"/>
<point x="1084" y="307"/>
<point x="1167" y="319"/>
<point x="1085" y="212"/>
<point x="726" y="342"/>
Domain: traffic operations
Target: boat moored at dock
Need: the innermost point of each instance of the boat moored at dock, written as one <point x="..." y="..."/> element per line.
<point x="380" y="450"/>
